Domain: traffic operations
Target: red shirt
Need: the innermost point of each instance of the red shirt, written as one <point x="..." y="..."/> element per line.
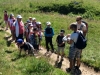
<point x="21" y="28"/>
<point x="5" y="17"/>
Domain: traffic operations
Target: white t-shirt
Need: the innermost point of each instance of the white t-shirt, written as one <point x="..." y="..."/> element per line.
<point x="74" y="37"/>
<point x="81" y="25"/>
<point x="10" y="21"/>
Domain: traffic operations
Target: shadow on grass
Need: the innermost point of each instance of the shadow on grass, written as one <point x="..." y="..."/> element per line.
<point x="1" y="30"/>
<point x="58" y="63"/>
<point x="8" y="51"/>
<point x="8" y="41"/>
<point x="18" y="57"/>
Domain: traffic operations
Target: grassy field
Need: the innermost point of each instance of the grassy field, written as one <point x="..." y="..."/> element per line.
<point x="11" y="64"/>
<point x="27" y="8"/>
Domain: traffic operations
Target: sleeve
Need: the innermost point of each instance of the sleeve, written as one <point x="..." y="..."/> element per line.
<point x="84" y="27"/>
<point x="57" y="38"/>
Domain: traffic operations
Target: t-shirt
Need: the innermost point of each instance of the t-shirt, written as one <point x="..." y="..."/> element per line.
<point x="74" y="37"/>
<point x="81" y="26"/>
<point x="60" y="41"/>
<point x="6" y="17"/>
<point x="49" y="32"/>
<point x="27" y="46"/>
<point x="21" y="28"/>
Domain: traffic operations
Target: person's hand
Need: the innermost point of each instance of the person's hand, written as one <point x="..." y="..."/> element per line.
<point x="68" y="35"/>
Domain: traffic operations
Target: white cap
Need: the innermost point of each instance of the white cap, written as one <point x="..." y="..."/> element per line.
<point x="11" y="14"/>
<point x="30" y="24"/>
<point x="48" y="23"/>
<point x="19" y="16"/>
<point x="34" y="18"/>
<point x="30" y="17"/>
<point x="38" y="23"/>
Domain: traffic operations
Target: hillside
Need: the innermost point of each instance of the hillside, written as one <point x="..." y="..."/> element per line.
<point x="60" y="13"/>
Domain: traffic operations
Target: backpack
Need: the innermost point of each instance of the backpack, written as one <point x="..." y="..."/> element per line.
<point x="49" y="30"/>
<point x="81" y="41"/>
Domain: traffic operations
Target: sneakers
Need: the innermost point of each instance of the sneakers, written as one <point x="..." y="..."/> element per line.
<point x="68" y="69"/>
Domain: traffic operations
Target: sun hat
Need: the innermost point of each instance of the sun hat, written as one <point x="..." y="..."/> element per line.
<point x="48" y="23"/>
<point x="34" y="18"/>
<point x="30" y="17"/>
<point x="38" y="23"/>
<point x="19" y="41"/>
<point x="19" y="16"/>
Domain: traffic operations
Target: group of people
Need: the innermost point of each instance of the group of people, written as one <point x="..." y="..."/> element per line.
<point x="33" y="32"/>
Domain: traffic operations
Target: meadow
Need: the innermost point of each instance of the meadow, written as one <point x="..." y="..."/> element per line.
<point x="60" y="13"/>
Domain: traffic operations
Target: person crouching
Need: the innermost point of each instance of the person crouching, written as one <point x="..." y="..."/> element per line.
<point x="26" y="46"/>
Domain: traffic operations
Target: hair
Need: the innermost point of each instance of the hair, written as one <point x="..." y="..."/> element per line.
<point x="35" y="29"/>
<point x="5" y="11"/>
<point x="79" y="17"/>
<point x="73" y="26"/>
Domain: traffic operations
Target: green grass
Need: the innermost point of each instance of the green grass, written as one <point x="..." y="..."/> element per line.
<point x="91" y="54"/>
<point x="11" y="64"/>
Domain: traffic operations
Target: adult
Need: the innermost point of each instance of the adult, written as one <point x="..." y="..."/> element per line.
<point x="73" y="51"/>
<point x="49" y="33"/>
<point x="6" y="19"/>
<point x="81" y="25"/>
<point x="19" y="28"/>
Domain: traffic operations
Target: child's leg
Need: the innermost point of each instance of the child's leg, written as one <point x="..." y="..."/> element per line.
<point x="62" y="52"/>
<point x="58" y="52"/>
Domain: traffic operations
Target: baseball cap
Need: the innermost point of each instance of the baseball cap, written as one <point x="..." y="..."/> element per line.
<point x="34" y="18"/>
<point x="38" y="23"/>
<point x="30" y="24"/>
<point x="62" y="31"/>
<point x="19" y="16"/>
<point x="19" y="41"/>
<point x="48" y="23"/>
<point x="30" y="17"/>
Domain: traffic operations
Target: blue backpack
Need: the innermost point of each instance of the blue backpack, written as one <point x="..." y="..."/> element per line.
<point x="81" y="41"/>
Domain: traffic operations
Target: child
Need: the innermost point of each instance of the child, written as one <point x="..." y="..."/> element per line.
<point x="26" y="46"/>
<point x="35" y="39"/>
<point x="40" y="32"/>
<point x="49" y="33"/>
<point x="60" y="44"/>
<point x="6" y="19"/>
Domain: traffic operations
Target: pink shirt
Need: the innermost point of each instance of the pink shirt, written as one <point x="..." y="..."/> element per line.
<point x="21" y="28"/>
<point x="5" y="17"/>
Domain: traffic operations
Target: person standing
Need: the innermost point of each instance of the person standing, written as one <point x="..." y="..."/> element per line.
<point x="80" y="25"/>
<point x="19" y="28"/>
<point x="60" y="43"/>
<point x="11" y="20"/>
<point x="49" y="33"/>
<point x="73" y="51"/>
<point x="6" y="19"/>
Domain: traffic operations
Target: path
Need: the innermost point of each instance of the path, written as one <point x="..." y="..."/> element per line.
<point x="65" y="64"/>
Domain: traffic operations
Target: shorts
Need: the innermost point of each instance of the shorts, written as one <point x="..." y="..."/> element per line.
<point x="74" y="53"/>
<point x="61" y="49"/>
